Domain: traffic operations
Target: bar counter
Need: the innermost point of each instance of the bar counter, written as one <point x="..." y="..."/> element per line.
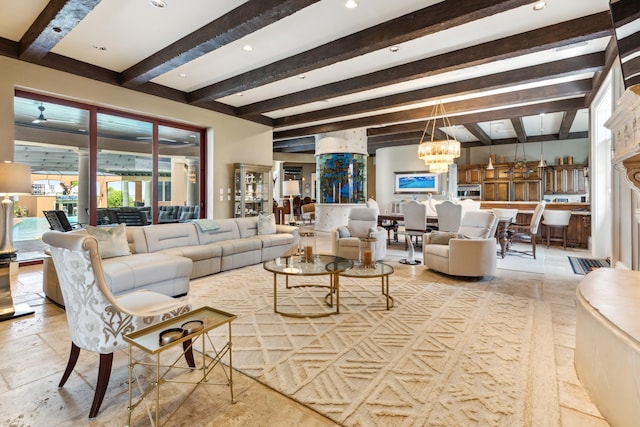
<point x="579" y="229"/>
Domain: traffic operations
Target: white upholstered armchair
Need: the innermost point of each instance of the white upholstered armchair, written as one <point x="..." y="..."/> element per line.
<point x="362" y="222"/>
<point x="470" y="252"/>
<point x="98" y="320"/>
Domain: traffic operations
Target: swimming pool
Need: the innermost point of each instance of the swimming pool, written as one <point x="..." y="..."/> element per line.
<point x="32" y="228"/>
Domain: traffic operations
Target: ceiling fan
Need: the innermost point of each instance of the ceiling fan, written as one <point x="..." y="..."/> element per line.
<point x="42" y="119"/>
<point x="159" y="139"/>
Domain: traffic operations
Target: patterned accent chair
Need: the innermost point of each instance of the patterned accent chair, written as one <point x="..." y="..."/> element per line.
<point x="97" y="319"/>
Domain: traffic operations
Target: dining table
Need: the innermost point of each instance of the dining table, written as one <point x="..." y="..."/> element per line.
<point x="389" y="221"/>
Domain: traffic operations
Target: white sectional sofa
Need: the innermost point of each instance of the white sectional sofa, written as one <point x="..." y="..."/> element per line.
<point x="165" y="257"/>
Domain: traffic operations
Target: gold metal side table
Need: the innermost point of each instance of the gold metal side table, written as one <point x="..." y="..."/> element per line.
<point x="156" y="339"/>
<point x="380" y="269"/>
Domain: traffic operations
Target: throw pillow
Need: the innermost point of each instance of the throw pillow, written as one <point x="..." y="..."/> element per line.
<point x="112" y="241"/>
<point x="266" y="224"/>
<point x="441" y="238"/>
<point x="343" y="232"/>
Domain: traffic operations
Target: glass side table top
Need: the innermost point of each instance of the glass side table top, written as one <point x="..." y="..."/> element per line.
<point x="380" y="269"/>
<point x="294" y="266"/>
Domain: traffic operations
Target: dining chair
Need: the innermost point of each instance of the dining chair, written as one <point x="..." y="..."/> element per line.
<point x="527" y="232"/>
<point x="506" y="217"/>
<point x="98" y="320"/>
<point x="449" y="216"/>
<point x="415" y="221"/>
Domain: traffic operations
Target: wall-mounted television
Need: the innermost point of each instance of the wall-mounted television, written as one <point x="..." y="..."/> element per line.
<point x="415" y="182"/>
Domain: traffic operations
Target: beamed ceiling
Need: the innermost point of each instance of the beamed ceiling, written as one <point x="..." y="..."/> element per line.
<point x="316" y="66"/>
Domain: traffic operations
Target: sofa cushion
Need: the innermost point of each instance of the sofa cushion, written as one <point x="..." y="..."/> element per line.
<point x="138" y="271"/>
<point x="266" y="224"/>
<point x="172" y="235"/>
<point x="228" y="230"/>
<point x="270" y="240"/>
<point x="359" y="228"/>
<point x="438" y="250"/>
<point x="112" y="241"/>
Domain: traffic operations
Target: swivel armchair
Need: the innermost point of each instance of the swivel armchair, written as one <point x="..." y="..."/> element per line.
<point x="362" y="222"/>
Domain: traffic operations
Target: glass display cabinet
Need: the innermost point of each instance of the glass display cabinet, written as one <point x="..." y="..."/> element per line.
<point x="252" y="190"/>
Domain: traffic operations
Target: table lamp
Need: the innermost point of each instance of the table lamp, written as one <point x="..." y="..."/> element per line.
<point x="291" y="188"/>
<point x="15" y="179"/>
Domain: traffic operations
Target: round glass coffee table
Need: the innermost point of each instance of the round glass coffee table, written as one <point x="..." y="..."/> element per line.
<point x="294" y="266"/>
<point x="380" y="269"/>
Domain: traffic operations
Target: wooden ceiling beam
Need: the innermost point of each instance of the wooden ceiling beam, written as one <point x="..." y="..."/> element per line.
<point x="567" y="121"/>
<point x="557" y="69"/>
<point x="56" y="20"/>
<point x="562" y="34"/>
<point x="241" y="21"/>
<point x="477" y="131"/>
<point x="539" y="94"/>
<point x="626" y="13"/>
<point x="293" y="142"/>
<point x="518" y="127"/>
<point x="485" y="116"/>
<point x="420" y="23"/>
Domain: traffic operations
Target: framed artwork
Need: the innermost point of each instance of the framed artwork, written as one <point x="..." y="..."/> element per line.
<point x="415" y="182"/>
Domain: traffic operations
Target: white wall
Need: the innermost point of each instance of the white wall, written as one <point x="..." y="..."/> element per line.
<point x="231" y="140"/>
<point x="398" y="159"/>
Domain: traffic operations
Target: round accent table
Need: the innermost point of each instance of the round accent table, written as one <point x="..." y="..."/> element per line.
<point x="381" y="270"/>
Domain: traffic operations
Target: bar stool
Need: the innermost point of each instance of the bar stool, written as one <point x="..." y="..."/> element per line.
<point x="556" y="219"/>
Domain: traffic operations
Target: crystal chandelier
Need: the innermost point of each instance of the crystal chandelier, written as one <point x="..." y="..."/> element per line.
<point x="438" y="154"/>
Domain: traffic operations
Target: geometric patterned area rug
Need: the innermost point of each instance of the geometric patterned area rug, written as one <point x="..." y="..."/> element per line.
<point x="444" y="355"/>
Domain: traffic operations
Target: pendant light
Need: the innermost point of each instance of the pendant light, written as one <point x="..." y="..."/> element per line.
<point x="490" y="165"/>
<point x="542" y="164"/>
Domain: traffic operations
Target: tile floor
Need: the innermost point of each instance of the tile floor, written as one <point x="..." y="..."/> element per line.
<point x="35" y="348"/>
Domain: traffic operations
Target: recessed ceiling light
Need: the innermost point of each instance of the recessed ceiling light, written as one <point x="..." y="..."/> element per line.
<point x="302" y="77"/>
<point x="239" y="94"/>
<point x="97" y="47"/>
<point x="539" y="5"/>
<point x="247" y="48"/>
<point x="394" y="48"/>
<point x="351" y="4"/>
<point x="158" y="3"/>
<point x="183" y="75"/>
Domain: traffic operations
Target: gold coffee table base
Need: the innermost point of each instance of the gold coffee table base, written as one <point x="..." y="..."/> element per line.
<point x="293" y="266"/>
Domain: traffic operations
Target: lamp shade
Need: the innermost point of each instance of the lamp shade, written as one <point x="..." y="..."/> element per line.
<point x="291" y="188"/>
<point x="15" y="178"/>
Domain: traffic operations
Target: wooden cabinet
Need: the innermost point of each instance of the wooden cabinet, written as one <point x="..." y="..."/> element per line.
<point x="564" y="179"/>
<point x="526" y="191"/>
<point x="471" y="174"/>
<point x="496" y="190"/>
